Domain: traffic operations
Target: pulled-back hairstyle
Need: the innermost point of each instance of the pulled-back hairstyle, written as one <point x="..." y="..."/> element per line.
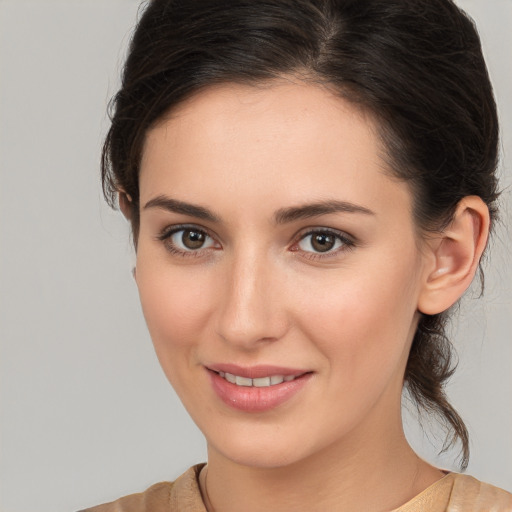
<point x="415" y="65"/>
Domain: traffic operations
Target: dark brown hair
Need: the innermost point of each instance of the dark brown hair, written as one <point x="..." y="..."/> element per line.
<point x="415" y="65"/>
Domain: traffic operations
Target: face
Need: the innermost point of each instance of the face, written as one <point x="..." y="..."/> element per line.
<point x="278" y="269"/>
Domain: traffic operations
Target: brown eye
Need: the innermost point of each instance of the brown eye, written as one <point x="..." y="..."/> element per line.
<point x="187" y="240"/>
<point x="192" y="239"/>
<point x="322" y="242"/>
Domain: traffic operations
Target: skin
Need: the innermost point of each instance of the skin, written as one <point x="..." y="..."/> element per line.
<point x="258" y="293"/>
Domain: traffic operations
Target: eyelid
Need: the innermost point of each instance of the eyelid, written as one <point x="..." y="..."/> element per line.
<point x="167" y="232"/>
<point x="348" y="242"/>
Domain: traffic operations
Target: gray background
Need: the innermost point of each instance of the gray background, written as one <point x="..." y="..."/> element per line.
<point x="86" y="413"/>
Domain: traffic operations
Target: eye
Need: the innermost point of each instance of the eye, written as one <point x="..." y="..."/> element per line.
<point x="190" y="239"/>
<point x="186" y="241"/>
<point x="323" y="241"/>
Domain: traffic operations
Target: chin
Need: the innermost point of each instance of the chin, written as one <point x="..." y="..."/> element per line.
<point x="271" y="458"/>
<point x="265" y="450"/>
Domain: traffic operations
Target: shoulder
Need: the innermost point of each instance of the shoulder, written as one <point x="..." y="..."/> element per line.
<point x="470" y="494"/>
<point x="154" y="499"/>
<point x="180" y="495"/>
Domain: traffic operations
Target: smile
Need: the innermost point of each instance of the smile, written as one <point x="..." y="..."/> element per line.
<point x="261" y="382"/>
<point x="256" y="389"/>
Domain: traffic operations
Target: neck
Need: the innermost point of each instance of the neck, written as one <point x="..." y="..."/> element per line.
<point x="360" y="473"/>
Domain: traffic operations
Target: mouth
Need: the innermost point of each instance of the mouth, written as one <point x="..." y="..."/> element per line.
<point x="260" y="382"/>
<point x="257" y="388"/>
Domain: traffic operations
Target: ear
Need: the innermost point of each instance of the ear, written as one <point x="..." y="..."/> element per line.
<point x="125" y="204"/>
<point x="453" y="257"/>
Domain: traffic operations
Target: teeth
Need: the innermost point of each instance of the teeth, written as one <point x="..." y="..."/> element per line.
<point x="243" y="381"/>
<point x="261" y="382"/>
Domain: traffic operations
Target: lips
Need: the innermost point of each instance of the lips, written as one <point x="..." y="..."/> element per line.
<point x="261" y="382"/>
<point x="257" y="388"/>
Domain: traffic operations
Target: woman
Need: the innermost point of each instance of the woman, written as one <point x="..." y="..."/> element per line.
<point x="311" y="185"/>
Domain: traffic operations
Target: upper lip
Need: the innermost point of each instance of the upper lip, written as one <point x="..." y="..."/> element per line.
<point x="255" y="372"/>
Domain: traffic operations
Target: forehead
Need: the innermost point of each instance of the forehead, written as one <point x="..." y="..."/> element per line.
<point x="284" y="142"/>
<point x="268" y="109"/>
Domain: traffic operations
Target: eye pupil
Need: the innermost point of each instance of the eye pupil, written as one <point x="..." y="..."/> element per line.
<point x="322" y="242"/>
<point x="193" y="239"/>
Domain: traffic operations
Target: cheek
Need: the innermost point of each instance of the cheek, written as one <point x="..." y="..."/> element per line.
<point x="175" y="305"/>
<point x="362" y="319"/>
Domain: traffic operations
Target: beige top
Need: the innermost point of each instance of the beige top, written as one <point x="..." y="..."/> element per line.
<point x="453" y="493"/>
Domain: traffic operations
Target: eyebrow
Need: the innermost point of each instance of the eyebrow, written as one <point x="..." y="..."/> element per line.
<point x="175" y="206"/>
<point x="281" y="216"/>
<point x="291" y="214"/>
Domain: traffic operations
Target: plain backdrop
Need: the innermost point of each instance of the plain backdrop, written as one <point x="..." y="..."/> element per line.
<point x="86" y="413"/>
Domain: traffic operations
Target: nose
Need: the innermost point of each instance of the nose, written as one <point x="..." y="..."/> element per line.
<point x="252" y="304"/>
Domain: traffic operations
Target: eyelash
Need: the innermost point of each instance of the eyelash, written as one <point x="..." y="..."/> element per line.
<point x="347" y="243"/>
<point x="168" y="232"/>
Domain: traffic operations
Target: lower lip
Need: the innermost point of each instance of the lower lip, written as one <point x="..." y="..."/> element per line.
<point x="255" y="399"/>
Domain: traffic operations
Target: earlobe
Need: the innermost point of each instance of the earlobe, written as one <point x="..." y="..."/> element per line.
<point x="454" y="256"/>
<point x="125" y="204"/>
